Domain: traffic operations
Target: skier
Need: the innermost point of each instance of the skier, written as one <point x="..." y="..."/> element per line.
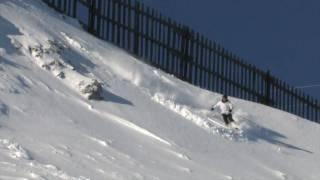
<point x="225" y="107"/>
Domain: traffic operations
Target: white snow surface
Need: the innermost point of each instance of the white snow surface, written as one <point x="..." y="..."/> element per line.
<point x="148" y="126"/>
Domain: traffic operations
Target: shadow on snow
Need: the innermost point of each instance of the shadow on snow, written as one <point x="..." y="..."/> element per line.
<point x="7" y="28"/>
<point x="255" y="133"/>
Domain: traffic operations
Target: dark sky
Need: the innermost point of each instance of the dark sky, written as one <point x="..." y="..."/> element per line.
<point x="280" y="35"/>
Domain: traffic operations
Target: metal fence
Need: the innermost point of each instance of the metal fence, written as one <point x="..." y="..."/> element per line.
<point x="178" y="50"/>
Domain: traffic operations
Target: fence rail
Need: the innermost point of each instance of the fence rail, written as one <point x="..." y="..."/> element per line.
<point x="178" y="50"/>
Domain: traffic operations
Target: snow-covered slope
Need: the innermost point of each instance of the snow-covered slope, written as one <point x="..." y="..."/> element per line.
<point x="145" y="125"/>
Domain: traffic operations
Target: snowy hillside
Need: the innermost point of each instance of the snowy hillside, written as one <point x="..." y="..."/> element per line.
<point x="75" y="107"/>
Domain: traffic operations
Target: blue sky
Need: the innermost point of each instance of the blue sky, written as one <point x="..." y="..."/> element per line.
<point x="280" y="35"/>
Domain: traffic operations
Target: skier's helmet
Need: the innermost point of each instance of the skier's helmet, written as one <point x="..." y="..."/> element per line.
<point x="224" y="98"/>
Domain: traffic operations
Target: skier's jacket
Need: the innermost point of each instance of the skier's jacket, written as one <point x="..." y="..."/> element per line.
<point x="225" y="107"/>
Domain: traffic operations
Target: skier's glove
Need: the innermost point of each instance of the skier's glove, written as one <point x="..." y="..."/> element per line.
<point x="230" y="110"/>
<point x="212" y="109"/>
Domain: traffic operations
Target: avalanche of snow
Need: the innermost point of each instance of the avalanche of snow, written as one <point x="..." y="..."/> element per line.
<point x="75" y="107"/>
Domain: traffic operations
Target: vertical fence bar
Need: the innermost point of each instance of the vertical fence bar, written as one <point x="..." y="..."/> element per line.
<point x="205" y="63"/>
<point x="69" y="8"/>
<point x="222" y="71"/>
<point x="142" y="33"/>
<point x="136" y="28"/>
<point x="91" y="13"/>
<point x="292" y="99"/>
<point x="164" y="38"/>
<point x="300" y="104"/>
<point x="129" y="26"/>
<point x="59" y="6"/>
<point x="118" y="22"/>
<point x="161" y="45"/>
<point x="317" y="111"/>
<point x="103" y="14"/>
<point x="179" y="53"/>
<point x="296" y="109"/>
<point x="191" y="57"/>
<point x="169" y="30"/>
<point x="210" y="66"/>
<point x="243" y="80"/>
<point x="312" y="109"/>
<point x="214" y="68"/>
<point x="283" y="95"/>
<point x="159" y="40"/>
<point x="201" y="61"/>
<point x="74" y="8"/>
<point x="98" y="14"/>
<point x="147" y="35"/>
<point x="303" y="106"/>
<point x="156" y="42"/>
<point x="245" y="69"/>
<point x="235" y="65"/>
<point x="308" y="107"/>
<point x="113" y="20"/>
<point x="65" y="6"/>
<point x="124" y="23"/>
<point x="152" y="37"/>
<point x="276" y="100"/>
<point x="197" y="58"/>
<point x="229" y="75"/>
<point x="288" y="98"/>
<point x="108" y="23"/>
<point x="187" y="64"/>
<point x="255" y="90"/>
<point x="174" y="37"/>
<point x="237" y="75"/>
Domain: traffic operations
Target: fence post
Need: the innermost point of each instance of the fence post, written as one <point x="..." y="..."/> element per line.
<point x="74" y="13"/>
<point x="185" y="51"/>
<point x="196" y="59"/>
<point x="210" y="66"/>
<point x="308" y="107"/>
<point x="59" y="6"/>
<point x="65" y="7"/>
<point x="292" y="99"/>
<point x="91" y="16"/>
<point x="136" y="28"/>
<point x="267" y="88"/>
<point x="191" y="56"/>
<point x="98" y="14"/>
<point x="317" y="110"/>
<point x="119" y="22"/>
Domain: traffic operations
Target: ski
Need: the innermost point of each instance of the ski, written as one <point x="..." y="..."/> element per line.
<point x="234" y="126"/>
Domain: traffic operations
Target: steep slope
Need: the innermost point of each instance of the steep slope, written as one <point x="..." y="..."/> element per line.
<point x="148" y="124"/>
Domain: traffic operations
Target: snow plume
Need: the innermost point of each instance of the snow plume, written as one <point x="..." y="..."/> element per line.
<point x="201" y="118"/>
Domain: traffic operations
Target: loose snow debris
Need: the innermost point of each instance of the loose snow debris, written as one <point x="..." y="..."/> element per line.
<point x="16" y="151"/>
<point x="50" y="58"/>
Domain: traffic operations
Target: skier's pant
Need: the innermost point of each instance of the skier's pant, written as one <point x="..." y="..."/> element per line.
<point x="227" y="118"/>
